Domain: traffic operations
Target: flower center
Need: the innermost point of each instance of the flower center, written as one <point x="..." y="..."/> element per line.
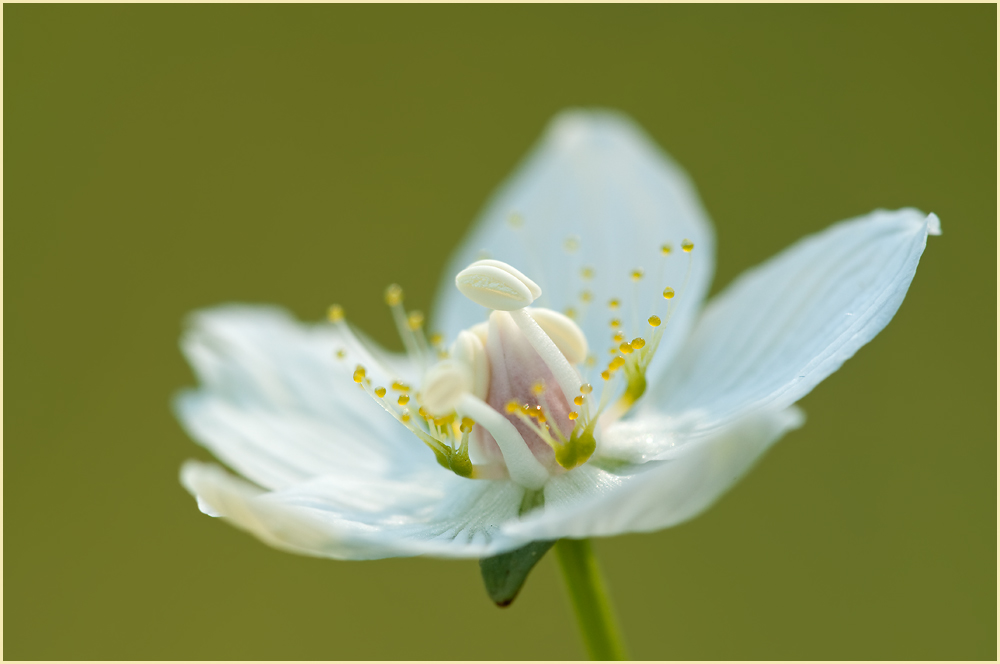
<point x="510" y="397"/>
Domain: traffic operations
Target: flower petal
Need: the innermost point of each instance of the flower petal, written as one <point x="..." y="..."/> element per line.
<point x="782" y="327"/>
<point x="597" y="181"/>
<point x="360" y="519"/>
<point x="657" y="494"/>
<point x="277" y="405"/>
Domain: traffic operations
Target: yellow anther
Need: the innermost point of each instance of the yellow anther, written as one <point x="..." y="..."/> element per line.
<point x="586" y="388"/>
<point x="400" y="387"/>
<point x="359" y="374"/>
<point x="512" y="407"/>
<point x="393" y="295"/>
<point x="591" y="361"/>
<point x="619" y="336"/>
<point x="467" y="424"/>
<point x="341" y="353"/>
<point x="335" y="313"/>
<point x="515" y="220"/>
<point x="615" y="322"/>
<point x="405" y="416"/>
<point x="436" y="339"/>
<point x="687" y="246"/>
<point x="578" y="400"/>
<point x="380" y="392"/>
<point x="538" y="414"/>
<point x="613" y="350"/>
<point x="638" y="343"/>
<point x="606" y="375"/>
<point x="614" y="304"/>
<point x="422" y="412"/>
<point x="570" y="312"/>
<point x="572" y="415"/>
<point x="625" y="348"/>
<point x="636" y="274"/>
<point x="538" y="388"/>
<point x="668" y="293"/>
<point x="587" y="272"/>
<point x="572" y="243"/>
<point x="616" y="363"/>
<point x="415" y="320"/>
<point x="442" y="354"/>
<point x="403" y="399"/>
<point x="586" y="296"/>
<point x="666" y="249"/>
<point x="654" y="321"/>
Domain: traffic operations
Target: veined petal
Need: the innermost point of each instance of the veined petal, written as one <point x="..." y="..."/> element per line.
<point x="362" y="519"/>
<point x="278" y="406"/>
<point x="595" y="192"/>
<point x="784" y="326"/>
<point x="658" y="494"/>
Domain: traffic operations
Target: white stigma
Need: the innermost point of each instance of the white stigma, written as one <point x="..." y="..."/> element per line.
<point x="496" y="285"/>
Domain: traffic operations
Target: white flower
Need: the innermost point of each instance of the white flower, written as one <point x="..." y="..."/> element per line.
<point x="334" y="471"/>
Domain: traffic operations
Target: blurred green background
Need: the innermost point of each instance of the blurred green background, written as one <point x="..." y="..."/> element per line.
<point x="164" y="158"/>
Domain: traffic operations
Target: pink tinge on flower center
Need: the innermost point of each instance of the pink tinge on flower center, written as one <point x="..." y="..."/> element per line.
<point x="516" y="374"/>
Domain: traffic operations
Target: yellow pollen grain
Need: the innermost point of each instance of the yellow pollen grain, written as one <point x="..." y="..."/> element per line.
<point x="619" y="336"/>
<point x="335" y="313"/>
<point x="573" y="415"/>
<point x="359" y="374"/>
<point x="403" y="399"/>
<point x="538" y="388"/>
<point x="587" y="273"/>
<point x="422" y="412"/>
<point x="616" y="363"/>
<point x="614" y="304"/>
<point x="405" y="416"/>
<point x="393" y="295"/>
<point x="400" y="387"/>
<point x="638" y="343"/>
<point x="467" y="424"/>
<point x="570" y="312"/>
<point x="636" y="274"/>
<point x="341" y="353"/>
<point x="613" y="350"/>
<point x="666" y="249"/>
<point x="415" y="320"/>
<point x="668" y="293"/>
<point x="586" y="388"/>
<point x="578" y="400"/>
<point x="586" y="296"/>
<point x="436" y="339"/>
<point x="380" y="392"/>
<point x="615" y="322"/>
<point x="625" y="347"/>
<point x="654" y="321"/>
<point x="606" y="375"/>
<point x="512" y="407"/>
<point x="687" y="246"/>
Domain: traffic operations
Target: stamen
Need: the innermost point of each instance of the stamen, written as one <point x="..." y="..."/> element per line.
<point x="359" y="374"/>
<point x="522" y="465"/>
<point x="403" y="399"/>
<point x="394" y="298"/>
<point x="668" y="293"/>
<point x="654" y="321"/>
<point x="380" y="391"/>
<point x="335" y="313"/>
<point x="687" y="246"/>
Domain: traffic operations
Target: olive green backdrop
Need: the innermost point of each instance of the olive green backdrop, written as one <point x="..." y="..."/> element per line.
<point x="164" y="158"/>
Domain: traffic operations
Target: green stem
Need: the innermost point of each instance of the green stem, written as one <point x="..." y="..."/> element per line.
<point x="590" y="599"/>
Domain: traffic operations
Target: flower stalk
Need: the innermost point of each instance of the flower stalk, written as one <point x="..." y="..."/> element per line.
<point x="591" y="602"/>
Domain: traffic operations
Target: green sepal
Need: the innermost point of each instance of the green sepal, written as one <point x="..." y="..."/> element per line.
<point x="503" y="575"/>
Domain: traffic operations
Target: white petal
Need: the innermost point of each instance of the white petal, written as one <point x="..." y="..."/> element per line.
<point x="597" y="176"/>
<point x="657" y="494"/>
<point x="276" y="404"/>
<point x="784" y="326"/>
<point x="430" y="514"/>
